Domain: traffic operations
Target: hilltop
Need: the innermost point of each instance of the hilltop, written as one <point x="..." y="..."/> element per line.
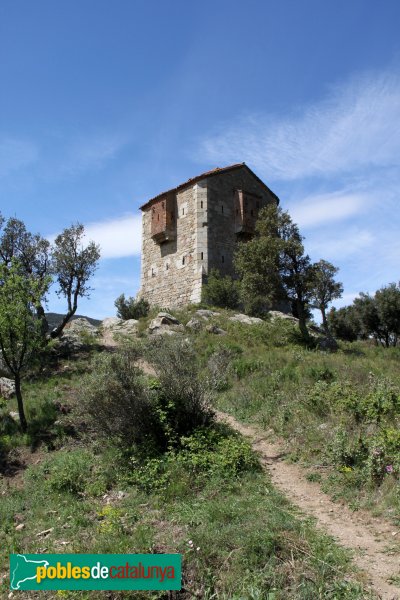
<point x="328" y="419"/>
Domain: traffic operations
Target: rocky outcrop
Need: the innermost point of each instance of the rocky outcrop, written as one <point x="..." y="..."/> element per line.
<point x="206" y="314"/>
<point x="276" y="314"/>
<point x="164" y="323"/>
<point x="245" y="319"/>
<point x="7" y="387"/>
<point x="194" y="324"/>
<point x="81" y="325"/>
<point x="215" y="330"/>
<point x="115" y="325"/>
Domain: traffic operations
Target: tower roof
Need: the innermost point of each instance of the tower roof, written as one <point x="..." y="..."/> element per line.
<point x="206" y="175"/>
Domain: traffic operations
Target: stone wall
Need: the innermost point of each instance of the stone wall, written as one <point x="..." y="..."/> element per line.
<point x="171" y="271"/>
<point x="222" y="236"/>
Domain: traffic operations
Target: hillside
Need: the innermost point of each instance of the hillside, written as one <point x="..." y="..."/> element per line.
<point x="72" y="483"/>
<point x="54" y="319"/>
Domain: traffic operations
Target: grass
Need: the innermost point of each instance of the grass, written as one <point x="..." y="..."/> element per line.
<point x="338" y="410"/>
<point x="239" y="537"/>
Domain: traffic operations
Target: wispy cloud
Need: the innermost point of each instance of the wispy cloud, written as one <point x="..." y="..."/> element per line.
<point x="91" y="152"/>
<point x="339" y="245"/>
<point x="356" y="126"/>
<point x="16" y="154"/>
<point x="118" y="237"/>
<point x="327" y="208"/>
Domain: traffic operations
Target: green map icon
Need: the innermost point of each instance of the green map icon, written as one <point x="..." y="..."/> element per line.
<point x="24" y="570"/>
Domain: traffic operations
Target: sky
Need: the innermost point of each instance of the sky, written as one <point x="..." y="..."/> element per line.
<point x="105" y="104"/>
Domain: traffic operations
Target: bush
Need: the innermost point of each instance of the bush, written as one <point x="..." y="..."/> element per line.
<point x="183" y="395"/>
<point x="149" y="416"/>
<point x="214" y="451"/>
<point x="220" y="291"/>
<point x="129" y="308"/>
<point x="64" y="472"/>
<point x="219" y="366"/>
<point x="118" y="403"/>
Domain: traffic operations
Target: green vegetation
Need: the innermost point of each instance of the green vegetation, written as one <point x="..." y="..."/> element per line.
<point x="376" y="317"/>
<point x="129" y="308"/>
<point x="20" y="330"/>
<point x="221" y="291"/>
<point x="200" y="491"/>
<point x="68" y="262"/>
<point x="340" y="412"/>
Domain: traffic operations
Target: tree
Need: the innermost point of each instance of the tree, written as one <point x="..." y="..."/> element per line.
<point x="220" y="291"/>
<point x="32" y="252"/>
<point x="129" y="308"/>
<point x="67" y="260"/>
<point x="273" y="266"/>
<point x="344" y="323"/>
<point x="324" y="288"/>
<point x="367" y="313"/>
<point x="20" y="327"/>
<point x="387" y="300"/>
<point x="73" y="265"/>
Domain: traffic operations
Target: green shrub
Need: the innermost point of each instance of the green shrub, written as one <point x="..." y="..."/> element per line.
<point x="149" y="415"/>
<point x="383" y="400"/>
<point x="384" y="455"/>
<point x="242" y="367"/>
<point x="218" y="366"/>
<point x="120" y="407"/>
<point x="65" y="471"/>
<point x="183" y="395"/>
<point x="220" y="291"/>
<point x="129" y="308"/>
<point x="207" y="452"/>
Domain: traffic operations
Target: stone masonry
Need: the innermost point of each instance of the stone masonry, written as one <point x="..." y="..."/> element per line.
<point x="195" y="227"/>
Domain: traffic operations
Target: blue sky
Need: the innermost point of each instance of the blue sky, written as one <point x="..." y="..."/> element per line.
<point x="105" y="104"/>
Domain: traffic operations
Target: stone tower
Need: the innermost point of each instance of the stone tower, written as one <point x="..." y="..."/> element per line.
<point x="195" y="227"/>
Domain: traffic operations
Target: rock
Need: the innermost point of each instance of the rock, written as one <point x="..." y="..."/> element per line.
<point x="216" y="330"/>
<point x="245" y="319"/>
<point x="69" y="342"/>
<point x="206" y="314"/>
<point x="276" y="314"/>
<point x="14" y="415"/>
<point x="121" y="326"/>
<point x="45" y="532"/>
<point x="20" y="527"/>
<point x="4" y="372"/>
<point x="164" y="323"/>
<point x="327" y="344"/>
<point x="81" y="325"/>
<point x="194" y="324"/>
<point x="7" y="387"/>
<point x="111" y="322"/>
<point x="168" y="319"/>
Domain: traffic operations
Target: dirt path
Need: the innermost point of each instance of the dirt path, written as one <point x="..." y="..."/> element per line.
<point x="370" y="538"/>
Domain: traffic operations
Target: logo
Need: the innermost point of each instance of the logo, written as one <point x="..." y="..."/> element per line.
<point x="95" y="571"/>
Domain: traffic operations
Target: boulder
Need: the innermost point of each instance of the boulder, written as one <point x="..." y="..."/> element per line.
<point x="69" y="342"/>
<point x="121" y="326"/>
<point x="81" y="325"/>
<point x="216" y="330"/>
<point x="277" y="314"/>
<point x="194" y="324"/>
<point x="239" y="317"/>
<point x="7" y="387"/>
<point x="206" y="314"/>
<point x="111" y="322"/>
<point x="4" y="372"/>
<point x="164" y="323"/>
<point x="327" y="344"/>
